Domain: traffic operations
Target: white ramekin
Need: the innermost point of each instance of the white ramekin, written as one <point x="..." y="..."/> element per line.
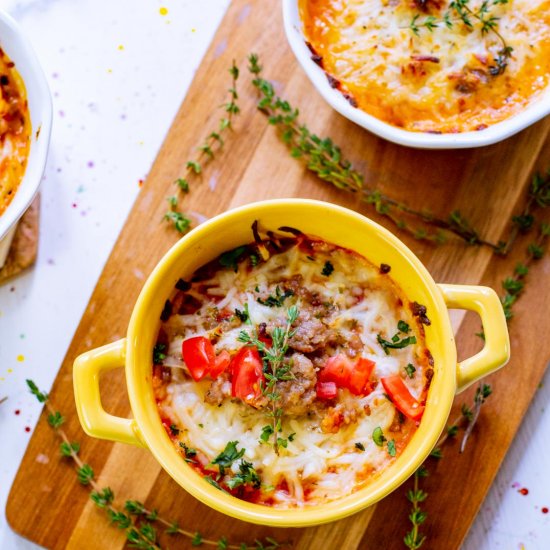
<point x="19" y="50"/>
<point x="492" y="134"/>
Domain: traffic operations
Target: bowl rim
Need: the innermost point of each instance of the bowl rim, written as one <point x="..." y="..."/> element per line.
<point x="495" y="133"/>
<point x="38" y="93"/>
<point x="138" y="367"/>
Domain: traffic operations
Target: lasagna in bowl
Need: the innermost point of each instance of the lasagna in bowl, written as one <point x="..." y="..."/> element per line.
<point x="434" y="66"/>
<point x="15" y="130"/>
<point x="290" y="372"/>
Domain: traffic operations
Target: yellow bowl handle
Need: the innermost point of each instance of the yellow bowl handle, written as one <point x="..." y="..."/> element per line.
<point x="93" y="417"/>
<point x="496" y="352"/>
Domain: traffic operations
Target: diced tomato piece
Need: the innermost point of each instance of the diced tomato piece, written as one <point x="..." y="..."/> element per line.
<point x="198" y="354"/>
<point x="220" y="364"/>
<point x="336" y="370"/>
<point x="345" y="374"/>
<point x="247" y="374"/>
<point x="402" y="398"/>
<point x="359" y="378"/>
<point x="326" y="390"/>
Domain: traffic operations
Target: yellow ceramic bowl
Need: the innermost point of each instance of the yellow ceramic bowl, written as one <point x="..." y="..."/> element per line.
<point x="336" y="225"/>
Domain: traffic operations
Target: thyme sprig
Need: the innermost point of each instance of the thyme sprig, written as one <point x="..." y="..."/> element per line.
<point x="460" y="12"/>
<point x="213" y="143"/>
<point x="324" y="158"/>
<point x="276" y="369"/>
<point x="134" y="518"/>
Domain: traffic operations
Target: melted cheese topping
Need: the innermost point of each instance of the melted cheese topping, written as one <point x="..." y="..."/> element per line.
<point x="316" y="466"/>
<point x="15" y="128"/>
<point x="433" y="81"/>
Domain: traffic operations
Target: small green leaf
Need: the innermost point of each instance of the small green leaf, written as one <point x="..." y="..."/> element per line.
<point x="378" y="436"/>
<point x="391" y="447"/>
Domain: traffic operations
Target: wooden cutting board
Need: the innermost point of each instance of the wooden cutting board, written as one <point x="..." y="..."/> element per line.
<point x="47" y="505"/>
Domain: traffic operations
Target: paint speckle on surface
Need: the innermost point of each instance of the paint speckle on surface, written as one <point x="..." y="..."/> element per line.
<point x="245" y="12"/>
<point x="10" y="371"/>
<point x="42" y="459"/>
<point x="193" y="30"/>
<point x="90" y="164"/>
<point x="515" y="485"/>
<point x="22" y="336"/>
<point x="523" y="491"/>
<point x="220" y="48"/>
<point x="544" y="510"/>
<point x="74" y="205"/>
<point x="120" y="47"/>
<point x="27" y="429"/>
<point x="62" y="114"/>
<point x="163" y="10"/>
<point x="20" y="358"/>
<point x="17" y="412"/>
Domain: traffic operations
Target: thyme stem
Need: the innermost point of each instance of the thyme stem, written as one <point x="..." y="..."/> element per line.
<point x="324" y="158"/>
<point x="140" y="535"/>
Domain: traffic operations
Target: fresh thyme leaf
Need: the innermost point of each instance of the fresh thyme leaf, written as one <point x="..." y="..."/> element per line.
<point x="180" y="221"/>
<point x="391" y="447"/>
<point x="231" y="257"/>
<point x="328" y="268"/>
<point x="410" y="370"/>
<point x="247" y="476"/>
<point x="277" y="299"/>
<point x="378" y="436"/>
<point x="55" y="420"/>
<point x="402" y="326"/>
<point x="359" y="446"/>
<point x="188" y="451"/>
<point x="291" y="437"/>
<point x="267" y="431"/>
<point x="197" y="539"/>
<point x="158" y="354"/>
<point x="228" y="456"/>
<point x="241" y="315"/>
<point x="41" y="396"/>
<point x="436" y="453"/>
<point x="85" y="474"/>
<point x="102" y="498"/>
<point x="174" y="430"/>
<point x="183" y="184"/>
<point x="68" y="449"/>
<point x="194" y="166"/>
<point x="452" y="430"/>
<point x="172" y="201"/>
<point x="396" y="343"/>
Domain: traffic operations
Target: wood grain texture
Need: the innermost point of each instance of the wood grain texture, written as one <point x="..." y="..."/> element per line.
<point x="488" y="185"/>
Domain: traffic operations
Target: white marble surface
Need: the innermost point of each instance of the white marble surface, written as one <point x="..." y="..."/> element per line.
<point x="118" y="72"/>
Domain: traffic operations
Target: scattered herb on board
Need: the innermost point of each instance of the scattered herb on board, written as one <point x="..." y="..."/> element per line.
<point x="378" y="436"/>
<point x="459" y="11"/>
<point x="359" y="446"/>
<point x="410" y="370"/>
<point x="141" y="525"/>
<point x="324" y="158"/>
<point x="278" y="370"/>
<point x="206" y="152"/>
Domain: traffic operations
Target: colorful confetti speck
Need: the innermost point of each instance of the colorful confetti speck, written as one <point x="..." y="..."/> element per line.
<point x="10" y="371"/>
<point x="20" y="358"/>
<point x="163" y="11"/>
<point x="17" y="412"/>
<point x="27" y="429"/>
<point x="544" y="510"/>
<point x="523" y="491"/>
<point x="120" y="47"/>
